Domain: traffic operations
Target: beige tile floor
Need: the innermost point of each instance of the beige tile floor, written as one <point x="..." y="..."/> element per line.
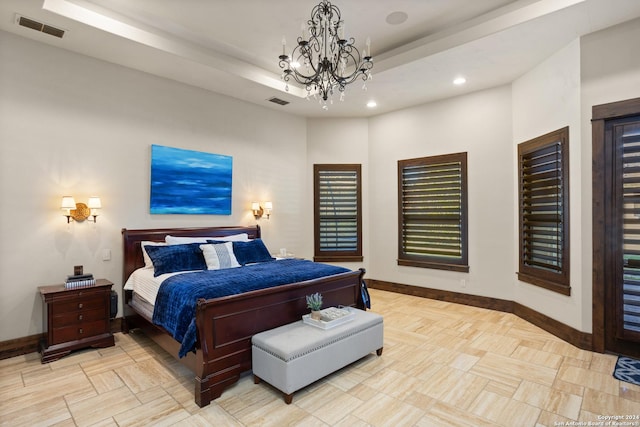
<point x="443" y="365"/>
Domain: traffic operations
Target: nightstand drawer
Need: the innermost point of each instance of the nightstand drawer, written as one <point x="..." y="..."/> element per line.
<point x="77" y="304"/>
<point x="78" y="332"/>
<point x="77" y="317"/>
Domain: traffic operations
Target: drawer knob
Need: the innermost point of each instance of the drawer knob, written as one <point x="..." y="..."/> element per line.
<point x="80" y="317"/>
<point x="80" y="305"/>
<point x="81" y="331"/>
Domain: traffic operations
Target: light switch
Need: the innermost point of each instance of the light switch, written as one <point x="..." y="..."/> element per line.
<point x="106" y="254"/>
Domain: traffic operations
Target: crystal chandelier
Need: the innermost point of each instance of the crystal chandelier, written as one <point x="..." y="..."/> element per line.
<point x="326" y="61"/>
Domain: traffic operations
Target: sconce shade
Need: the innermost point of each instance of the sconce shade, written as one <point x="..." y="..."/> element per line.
<point x="94" y="203"/>
<point x="255" y="206"/>
<point x="68" y="203"/>
<point x="268" y="207"/>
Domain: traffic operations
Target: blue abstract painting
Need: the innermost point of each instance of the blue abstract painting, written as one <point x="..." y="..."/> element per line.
<point x="190" y="182"/>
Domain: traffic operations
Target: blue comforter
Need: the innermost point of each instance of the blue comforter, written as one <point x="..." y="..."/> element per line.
<point x="177" y="298"/>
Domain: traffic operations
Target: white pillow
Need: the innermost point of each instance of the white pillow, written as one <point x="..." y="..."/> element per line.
<point x="219" y="256"/>
<point x="175" y="240"/>
<point x="147" y="261"/>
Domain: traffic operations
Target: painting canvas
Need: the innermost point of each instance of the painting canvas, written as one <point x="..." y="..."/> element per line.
<point x="190" y="182"/>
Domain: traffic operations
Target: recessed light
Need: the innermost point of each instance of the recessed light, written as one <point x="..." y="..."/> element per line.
<point x="372" y="104"/>
<point x="459" y="81"/>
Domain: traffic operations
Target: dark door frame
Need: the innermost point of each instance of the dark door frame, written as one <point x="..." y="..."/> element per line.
<point x="603" y="239"/>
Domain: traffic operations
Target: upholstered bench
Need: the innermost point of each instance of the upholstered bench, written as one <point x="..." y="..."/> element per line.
<point x="295" y="355"/>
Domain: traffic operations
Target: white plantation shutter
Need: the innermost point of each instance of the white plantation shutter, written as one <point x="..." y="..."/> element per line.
<point x="432" y="212"/>
<point x="338" y="220"/>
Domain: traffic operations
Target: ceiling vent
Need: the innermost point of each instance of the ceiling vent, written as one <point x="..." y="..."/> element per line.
<point x="278" y="101"/>
<point x="39" y="26"/>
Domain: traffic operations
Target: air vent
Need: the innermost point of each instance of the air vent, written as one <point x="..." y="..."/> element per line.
<point x="39" y="26"/>
<point x="278" y="101"/>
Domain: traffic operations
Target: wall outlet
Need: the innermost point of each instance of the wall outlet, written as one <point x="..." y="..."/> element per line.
<point x="463" y="283"/>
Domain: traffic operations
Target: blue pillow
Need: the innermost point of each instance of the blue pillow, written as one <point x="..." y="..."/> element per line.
<point x="174" y="258"/>
<point x="250" y="252"/>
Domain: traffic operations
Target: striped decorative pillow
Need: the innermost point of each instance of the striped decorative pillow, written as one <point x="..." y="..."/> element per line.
<point x="219" y="256"/>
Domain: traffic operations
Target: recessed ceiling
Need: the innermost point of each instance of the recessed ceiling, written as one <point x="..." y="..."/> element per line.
<point x="231" y="47"/>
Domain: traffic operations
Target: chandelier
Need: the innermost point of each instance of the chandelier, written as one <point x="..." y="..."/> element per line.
<point x="326" y="61"/>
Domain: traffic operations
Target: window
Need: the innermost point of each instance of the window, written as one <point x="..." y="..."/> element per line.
<point x="337" y="213"/>
<point x="432" y="212"/>
<point x="543" y="169"/>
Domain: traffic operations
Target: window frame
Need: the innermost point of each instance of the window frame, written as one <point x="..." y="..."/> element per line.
<point x="337" y="255"/>
<point x="435" y="261"/>
<point x="539" y="276"/>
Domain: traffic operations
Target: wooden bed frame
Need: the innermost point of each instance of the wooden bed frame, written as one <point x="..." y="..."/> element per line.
<point x="225" y="325"/>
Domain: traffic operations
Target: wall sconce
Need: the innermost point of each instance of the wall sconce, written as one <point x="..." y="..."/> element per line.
<point x="259" y="211"/>
<point x="80" y="211"/>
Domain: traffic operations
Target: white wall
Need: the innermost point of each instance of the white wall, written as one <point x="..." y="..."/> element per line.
<point x="545" y="99"/>
<point x="480" y="124"/>
<point x="70" y="124"/>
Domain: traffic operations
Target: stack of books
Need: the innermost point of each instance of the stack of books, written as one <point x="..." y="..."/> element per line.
<point x="79" y="281"/>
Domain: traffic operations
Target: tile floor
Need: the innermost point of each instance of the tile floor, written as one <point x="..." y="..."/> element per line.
<point x="443" y="365"/>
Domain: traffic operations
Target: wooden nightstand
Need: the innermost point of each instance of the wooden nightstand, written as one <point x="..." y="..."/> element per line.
<point x="76" y="318"/>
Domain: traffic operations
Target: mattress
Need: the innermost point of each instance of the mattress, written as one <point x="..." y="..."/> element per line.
<point x="142" y="306"/>
<point x="143" y="283"/>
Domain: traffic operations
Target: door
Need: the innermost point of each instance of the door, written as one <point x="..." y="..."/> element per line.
<point x="622" y="307"/>
<point x="616" y="227"/>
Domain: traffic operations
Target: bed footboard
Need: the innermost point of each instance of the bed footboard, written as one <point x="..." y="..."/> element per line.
<point x="226" y="325"/>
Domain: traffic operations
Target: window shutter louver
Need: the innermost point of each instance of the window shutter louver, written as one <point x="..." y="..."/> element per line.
<point x="432" y="209"/>
<point x="542" y="208"/>
<point x="337" y="205"/>
<point x="543" y="190"/>
<point x="338" y="210"/>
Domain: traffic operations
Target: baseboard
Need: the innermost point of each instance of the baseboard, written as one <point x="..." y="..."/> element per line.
<point x="20" y="346"/>
<point x="30" y="344"/>
<point x="116" y="325"/>
<point x="582" y="340"/>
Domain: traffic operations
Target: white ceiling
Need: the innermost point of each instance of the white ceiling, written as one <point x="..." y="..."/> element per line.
<point x="231" y="46"/>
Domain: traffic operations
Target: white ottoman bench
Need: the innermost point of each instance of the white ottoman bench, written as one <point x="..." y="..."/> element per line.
<point x="295" y="355"/>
